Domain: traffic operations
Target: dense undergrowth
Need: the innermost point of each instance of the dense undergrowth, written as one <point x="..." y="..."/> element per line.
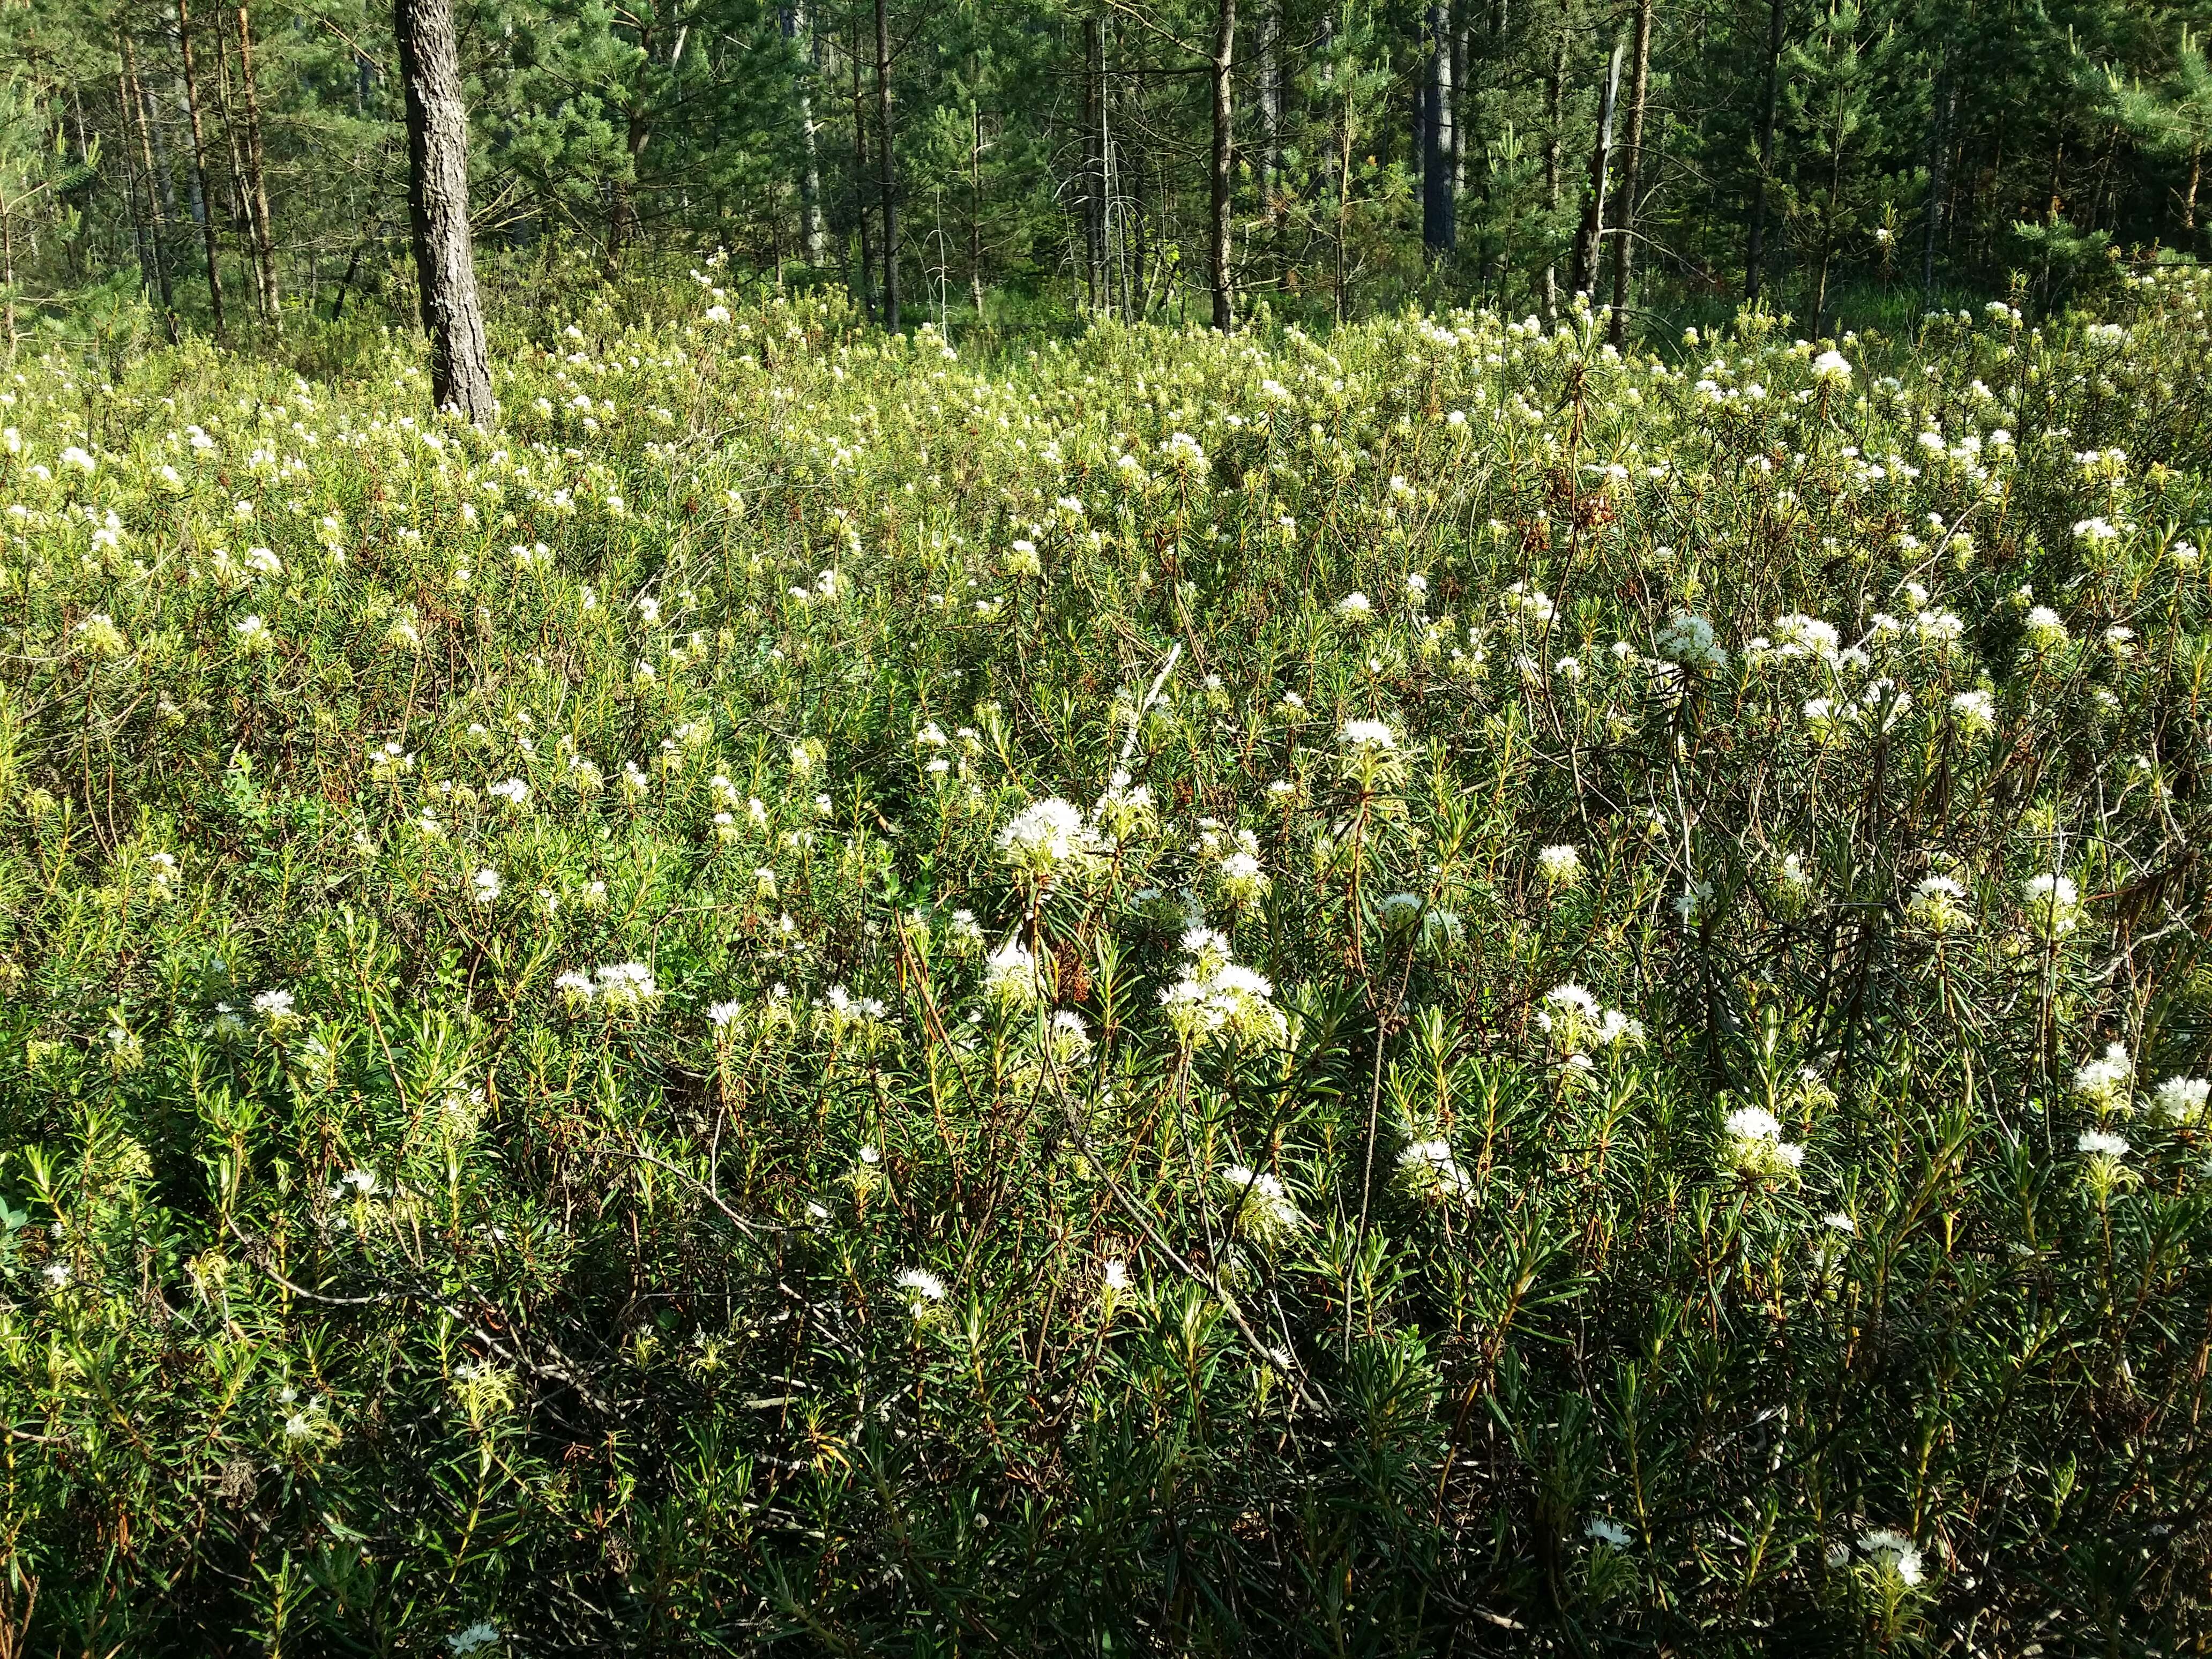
<point x="1429" y="991"/>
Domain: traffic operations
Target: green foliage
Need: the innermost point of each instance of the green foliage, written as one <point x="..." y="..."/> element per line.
<point x="1165" y="994"/>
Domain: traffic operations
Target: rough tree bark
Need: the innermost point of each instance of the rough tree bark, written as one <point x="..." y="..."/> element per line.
<point x="438" y="207"/>
<point x="1631" y="169"/>
<point x="1754" y="258"/>
<point x="199" y="165"/>
<point x="889" y="168"/>
<point x="1439" y="215"/>
<point x="256" y="174"/>
<point x="1224" y="110"/>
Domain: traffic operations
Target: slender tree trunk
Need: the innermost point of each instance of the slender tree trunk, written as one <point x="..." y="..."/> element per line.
<point x="1591" y="241"/>
<point x="1554" y="117"/>
<point x="345" y="283"/>
<point x="1754" y="258"/>
<point x="195" y="197"/>
<point x="257" y="183"/>
<point x="1094" y="163"/>
<point x="622" y="211"/>
<point x="134" y="117"/>
<point x="149" y="113"/>
<point x="1267" y="48"/>
<point x="2189" y="201"/>
<point x="1939" y="155"/>
<point x="976" y="205"/>
<point x="889" y="173"/>
<point x="438" y="207"/>
<point x="1440" y="215"/>
<point x="133" y="201"/>
<point x="8" y="273"/>
<point x="799" y="28"/>
<point x="860" y="181"/>
<point x="1345" y="133"/>
<point x="1632" y="168"/>
<point x="1461" y="95"/>
<point x="241" y="215"/>
<point x="1224" y="110"/>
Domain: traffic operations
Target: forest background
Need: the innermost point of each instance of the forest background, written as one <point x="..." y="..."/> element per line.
<point x="242" y="168"/>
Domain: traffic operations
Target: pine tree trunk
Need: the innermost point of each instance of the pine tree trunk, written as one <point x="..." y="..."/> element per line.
<point x="134" y="117"/>
<point x="861" y="180"/>
<point x="1591" y="241"/>
<point x="438" y="207"/>
<point x="1754" y="258"/>
<point x="889" y="174"/>
<point x="7" y="274"/>
<point x="799" y="28"/>
<point x="131" y="195"/>
<point x="1094" y="162"/>
<point x="1268" y="48"/>
<point x="975" y="206"/>
<point x="199" y="165"/>
<point x="1939" y="155"/>
<point x="1554" y="113"/>
<point x="1439" y="217"/>
<point x="241" y="215"/>
<point x="1460" y="31"/>
<point x="1631" y="168"/>
<point x="149" y="109"/>
<point x="256" y="178"/>
<point x="1224" y="49"/>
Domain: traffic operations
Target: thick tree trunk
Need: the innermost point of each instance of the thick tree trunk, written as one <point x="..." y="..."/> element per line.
<point x="1591" y="240"/>
<point x="1224" y="110"/>
<point x="200" y="190"/>
<point x="134" y="118"/>
<point x="888" y="179"/>
<point x="1439" y="212"/>
<point x="256" y="174"/>
<point x="1632" y="171"/>
<point x="438" y="207"/>
<point x="1754" y="258"/>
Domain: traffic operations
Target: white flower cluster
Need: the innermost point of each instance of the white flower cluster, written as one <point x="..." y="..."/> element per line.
<point x="1577" y="1026"/>
<point x="1754" y="1146"/>
<point x="1218" y="1001"/>
<point x="1047" y="838"/>
<point x="615" y="987"/>
<point x="1431" y="1175"/>
<point x="1259" y="1206"/>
